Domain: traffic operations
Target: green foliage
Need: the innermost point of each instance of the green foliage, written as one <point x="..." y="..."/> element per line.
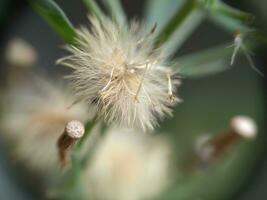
<point x="172" y="33"/>
<point x="228" y="17"/>
<point x="155" y="11"/>
<point x="178" y="18"/>
<point x="204" y="63"/>
<point x="88" y="128"/>
<point x="115" y="9"/>
<point x="94" y="8"/>
<point x="55" y="17"/>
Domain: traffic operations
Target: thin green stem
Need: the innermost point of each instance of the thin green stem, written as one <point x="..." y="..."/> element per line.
<point x="228" y="17"/>
<point x="205" y="62"/>
<point x="88" y="129"/>
<point x="86" y="159"/>
<point x="223" y="8"/>
<point x="116" y="10"/>
<point x="94" y="8"/>
<point x="179" y="17"/>
<point x="55" y="17"/>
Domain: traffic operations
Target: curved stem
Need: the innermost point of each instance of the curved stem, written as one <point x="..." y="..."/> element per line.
<point x="88" y="129"/>
<point x="55" y="17"/>
<point x="181" y="14"/>
<point x="94" y="8"/>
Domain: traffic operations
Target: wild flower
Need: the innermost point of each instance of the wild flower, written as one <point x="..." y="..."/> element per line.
<point x="118" y="70"/>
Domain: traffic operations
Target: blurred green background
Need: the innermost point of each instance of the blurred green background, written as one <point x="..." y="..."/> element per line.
<point x="209" y="102"/>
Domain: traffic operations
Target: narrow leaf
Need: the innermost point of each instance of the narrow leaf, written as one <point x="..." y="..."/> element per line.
<point x="223" y="8"/>
<point x="206" y="62"/>
<point x="184" y="21"/>
<point x="181" y="14"/>
<point x="155" y="12"/>
<point x="94" y="8"/>
<point x="55" y="17"/>
<point x="116" y="10"/>
<point x="228" y="17"/>
<point x="181" y="34"/>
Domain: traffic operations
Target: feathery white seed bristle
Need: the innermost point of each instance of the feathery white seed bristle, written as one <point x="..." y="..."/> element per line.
<point x="75" y="129"/>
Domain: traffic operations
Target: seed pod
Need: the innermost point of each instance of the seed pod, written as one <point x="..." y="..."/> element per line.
<point x="74" y="130"/>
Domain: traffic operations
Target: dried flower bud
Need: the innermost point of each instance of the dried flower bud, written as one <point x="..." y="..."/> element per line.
<point x="208" y="149"/>
<point x="74" y="130"/>
<point x="244" y="126"/>
<point x="118" y="70"/>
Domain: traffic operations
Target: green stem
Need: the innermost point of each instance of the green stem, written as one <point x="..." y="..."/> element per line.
<point x="179" y="17"/>
<point x="85" y="160"/>
<point x="94" y="8"/>
<point x="228" y="17"/>
<point x="88" y="129"/>
<point x="55" y="17"/>
<point x="205" y="62"/>
<point x="223" y="8"/>
<point x="69" y="186"/>
<point x="116" y="10"/>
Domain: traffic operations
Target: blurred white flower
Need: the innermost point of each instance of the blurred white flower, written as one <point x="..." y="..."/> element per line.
<point x="20" y="53"/>
<point x="35" y="114"/>
<point x="131" y="166"/>
<point x="118" y="70"/>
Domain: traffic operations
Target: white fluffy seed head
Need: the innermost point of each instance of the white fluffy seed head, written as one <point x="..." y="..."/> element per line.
<point x="75" y="129"/>
<point x="244" y="126"/>
<point x="118" y="70"/>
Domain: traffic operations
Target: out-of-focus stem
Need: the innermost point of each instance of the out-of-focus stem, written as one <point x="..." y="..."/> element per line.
<point x="204" y="62"/>
<point x="227" y="17"/>
<point x="116" y="10"/>
<point x="234" y="13"/>
<point x="94" y="8"/>
<point x="88" y="129"/>
<point x="179" y="17"/>
<point x="55" y="17"/>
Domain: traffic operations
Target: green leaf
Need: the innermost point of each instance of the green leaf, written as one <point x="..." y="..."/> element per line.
<point x="55" y="17"/>
<point x="184" y="21"/>
<point x="206" y="62"/>
<point x="116" y="10"/>
<point x="229" y="24"/>
<point x="228" y="17"/>
<point x="181" y="34"/>
<point x="94" y="8"/>
<point x="180" y="15"/>
<point x="155" y="11"/>
<point x="223" y="8"/>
